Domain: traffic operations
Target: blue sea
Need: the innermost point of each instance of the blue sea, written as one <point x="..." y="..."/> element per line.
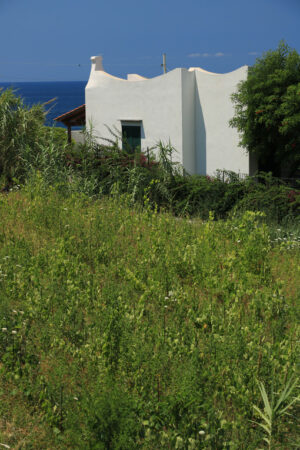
<point x="68" y="95"/>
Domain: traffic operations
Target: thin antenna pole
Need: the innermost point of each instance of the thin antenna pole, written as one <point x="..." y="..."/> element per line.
<point x="164" y="64"/>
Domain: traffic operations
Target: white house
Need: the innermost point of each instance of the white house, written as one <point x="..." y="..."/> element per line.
<point x="189" y="107"/>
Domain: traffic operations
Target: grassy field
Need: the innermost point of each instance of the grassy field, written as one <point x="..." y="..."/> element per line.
<point x="123" y="328"/>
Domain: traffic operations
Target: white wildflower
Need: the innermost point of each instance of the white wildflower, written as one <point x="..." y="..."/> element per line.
<point x="4" y="330"/>
<point x="201" y="432"/>
<point x="13" y="332"/>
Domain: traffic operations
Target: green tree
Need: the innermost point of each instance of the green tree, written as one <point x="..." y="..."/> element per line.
<point x="267" y="111"/>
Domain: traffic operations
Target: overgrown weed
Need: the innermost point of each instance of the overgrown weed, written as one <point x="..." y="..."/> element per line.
<point x="177" y="318"/>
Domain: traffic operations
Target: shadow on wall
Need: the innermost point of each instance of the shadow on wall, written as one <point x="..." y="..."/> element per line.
<point x="253" y="166"/>
<point x="200" y="137"/>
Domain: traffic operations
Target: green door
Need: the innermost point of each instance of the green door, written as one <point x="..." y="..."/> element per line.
<point x="131" y="135"/>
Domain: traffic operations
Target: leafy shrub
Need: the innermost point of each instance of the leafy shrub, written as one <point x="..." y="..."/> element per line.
<point x="20" y="129"/>
<point x="26" y="145"/>
<point x="269" y="195"/>
<point x="107" y="418"/>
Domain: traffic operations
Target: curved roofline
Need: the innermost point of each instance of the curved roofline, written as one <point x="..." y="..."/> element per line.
<point x="190" y="69"/>
<point x="97" y="68"/>
<point x="113" y="77"/>
<point x="199" y="69"/>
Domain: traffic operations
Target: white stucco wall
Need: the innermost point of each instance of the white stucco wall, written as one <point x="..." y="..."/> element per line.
<point x="157" y="102"/>
<point x="191" y="108"/>
<point x="78" y="136"/>
<point x="214" y="110"/>
<point x="188" y="145"/>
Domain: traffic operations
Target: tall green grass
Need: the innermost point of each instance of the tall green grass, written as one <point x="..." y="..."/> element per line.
<point x="122" y="327"/>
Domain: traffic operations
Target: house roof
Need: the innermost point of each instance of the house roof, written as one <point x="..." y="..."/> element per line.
<point x="75" y="117"/>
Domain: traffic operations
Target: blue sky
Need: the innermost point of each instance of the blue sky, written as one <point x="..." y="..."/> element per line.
<point x="54" y="40"/>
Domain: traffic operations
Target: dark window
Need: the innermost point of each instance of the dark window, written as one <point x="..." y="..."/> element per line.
<point x="131" y="135"/>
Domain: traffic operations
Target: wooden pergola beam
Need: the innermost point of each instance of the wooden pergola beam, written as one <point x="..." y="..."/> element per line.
<point x="75" y="117"/>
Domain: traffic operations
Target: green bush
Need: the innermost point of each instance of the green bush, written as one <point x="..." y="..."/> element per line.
<point x="21" y="128"/>
<point x="26" y="145"/>
<point x="107" y="418"/>
<point x="270" y="195"/>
